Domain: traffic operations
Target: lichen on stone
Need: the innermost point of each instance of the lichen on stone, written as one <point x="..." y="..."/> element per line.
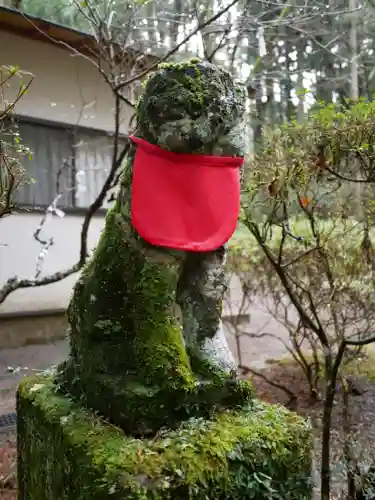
<point x="192" y="107"/>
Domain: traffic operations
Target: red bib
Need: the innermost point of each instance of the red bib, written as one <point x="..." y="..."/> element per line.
<point x="184" y="201"/>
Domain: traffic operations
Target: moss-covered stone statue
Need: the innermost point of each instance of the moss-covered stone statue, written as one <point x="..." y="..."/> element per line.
<point x="129" y="359"/>
<point x="148" y="353"/>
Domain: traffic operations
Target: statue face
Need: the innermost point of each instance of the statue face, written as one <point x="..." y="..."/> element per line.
<point x="193" y="107"/>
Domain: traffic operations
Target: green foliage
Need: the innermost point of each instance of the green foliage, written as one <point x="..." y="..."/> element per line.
<point x="341" y="239"/>
<point x="298" y="153"/>
<point x="296" y="193"/>
<point x="64" y="12"/>
<point x="260" y="452"/>
<point x="307" y="228"/>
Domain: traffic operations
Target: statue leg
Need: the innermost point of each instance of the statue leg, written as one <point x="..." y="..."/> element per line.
<point x="200" y="295"/>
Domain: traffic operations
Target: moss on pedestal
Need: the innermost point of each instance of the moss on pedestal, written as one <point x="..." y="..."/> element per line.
<point x="141" y="409"/>
<point x="68" y="453"/>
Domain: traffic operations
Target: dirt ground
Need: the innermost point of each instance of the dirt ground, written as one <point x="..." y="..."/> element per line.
<point x="361" y="416"/>
<point x="362" y="411"/>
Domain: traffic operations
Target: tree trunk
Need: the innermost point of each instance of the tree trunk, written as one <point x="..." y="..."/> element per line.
<point x="354" y="91"/>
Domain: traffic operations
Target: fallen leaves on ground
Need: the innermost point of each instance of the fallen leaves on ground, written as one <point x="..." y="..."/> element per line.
<point x="8" y="464"/>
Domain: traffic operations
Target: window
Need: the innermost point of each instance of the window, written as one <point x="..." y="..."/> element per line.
<point x="72" y="161"/>
<point x="50" y="164"/>
<point x="93" y="162"/>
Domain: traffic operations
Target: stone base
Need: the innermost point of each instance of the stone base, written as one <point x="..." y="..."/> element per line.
<point x="68" y="453"/>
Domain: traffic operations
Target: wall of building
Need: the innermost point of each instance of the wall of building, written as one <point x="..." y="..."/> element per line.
<point x="19" y="252"/>
<point x="66" y="88"/>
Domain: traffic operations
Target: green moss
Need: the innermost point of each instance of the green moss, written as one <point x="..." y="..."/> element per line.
<point x="127" y="357"/>
<point x="68" y="453"/>
<point x="142" y="409"/>
<point x="120" y="314"/>
<point x="124" y="335"/>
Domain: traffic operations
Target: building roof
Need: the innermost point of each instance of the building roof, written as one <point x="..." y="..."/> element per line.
<point x="36" y="28"/>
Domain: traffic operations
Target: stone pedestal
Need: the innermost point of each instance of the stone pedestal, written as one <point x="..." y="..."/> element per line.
<point x="68" y="453"/>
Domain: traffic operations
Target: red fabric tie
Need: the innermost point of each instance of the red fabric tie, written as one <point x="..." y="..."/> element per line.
<point x="184" y="201"/>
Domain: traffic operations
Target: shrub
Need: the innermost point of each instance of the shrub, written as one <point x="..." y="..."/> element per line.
<point x="304" y="246"/>
<point x="309" y="245"/>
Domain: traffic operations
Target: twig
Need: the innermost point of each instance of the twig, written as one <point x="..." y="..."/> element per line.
<point x="46" y="243"/>
<point x="177" y="47"/>
<point x="15" y="283"/>
<point x="291" y="394"/>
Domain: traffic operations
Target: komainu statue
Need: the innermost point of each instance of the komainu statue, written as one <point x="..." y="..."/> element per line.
<point x="147" y="346"/>
<point x="148" y="405"/>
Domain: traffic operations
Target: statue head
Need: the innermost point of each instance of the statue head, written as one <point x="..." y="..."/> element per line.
<point x="193" y="107"/>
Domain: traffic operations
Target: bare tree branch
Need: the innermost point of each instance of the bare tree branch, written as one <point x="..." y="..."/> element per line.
<point x="178" y="46"/>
